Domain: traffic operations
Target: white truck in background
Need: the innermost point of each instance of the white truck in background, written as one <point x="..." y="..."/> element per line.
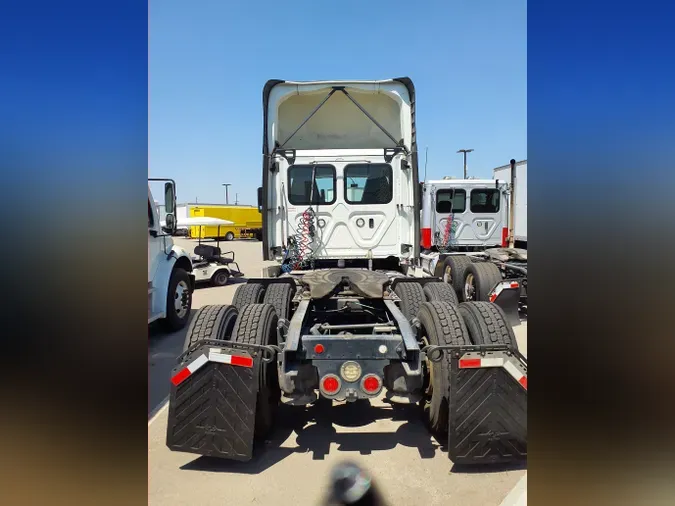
<point x="466" y="239"/>
<point x="170" y="278"/>
<point x="520" y="211"/>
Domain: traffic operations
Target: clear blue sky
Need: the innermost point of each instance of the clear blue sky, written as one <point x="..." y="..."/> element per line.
<point x="209" y="60"/>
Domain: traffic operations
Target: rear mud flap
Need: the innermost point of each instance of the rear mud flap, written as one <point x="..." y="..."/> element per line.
<point x="212" y="404"/>
<point x="507" y="296"/>
<point x="488" y="405"/>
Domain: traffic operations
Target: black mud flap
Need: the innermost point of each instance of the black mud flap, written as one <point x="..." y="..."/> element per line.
<point x="488" y="405"/>
<point x="212" y="403"/>
<point x="506" y="295"/>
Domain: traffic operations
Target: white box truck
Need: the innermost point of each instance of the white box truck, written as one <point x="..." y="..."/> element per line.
<point x="520" y="225"/>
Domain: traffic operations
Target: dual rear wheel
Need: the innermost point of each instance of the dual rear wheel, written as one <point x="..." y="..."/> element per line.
<point x="446" y="322"/>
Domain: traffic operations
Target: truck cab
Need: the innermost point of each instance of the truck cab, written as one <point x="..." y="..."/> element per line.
<point x="339" y="185"/>
<point x="464" y="214"/>
<point x="170" y="278"/>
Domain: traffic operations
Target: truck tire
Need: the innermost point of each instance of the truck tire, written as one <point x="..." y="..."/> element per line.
<point x="178" y="300"/>
<point x="440" y="291"/>
<point x="229" y="236"/>
<point x="487" y="324"/>
<point x="280" y="295"/>
<point x="412" y="296"/>
<point x="211" y="322"/>
<point x="479" y="280"/>
<point x="454" y="268"/>
<point x="250" y="293"/>
<point x="441" y="325"/>
<point x="257" y="324"/>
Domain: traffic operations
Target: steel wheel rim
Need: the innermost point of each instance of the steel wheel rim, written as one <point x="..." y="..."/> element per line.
<point x="469" y="287"/>
<point x="447" y="275"/>
<point x="180" y="299"/>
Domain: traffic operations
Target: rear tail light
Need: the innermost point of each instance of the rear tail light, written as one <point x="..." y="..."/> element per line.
<point x="371" y="384"/>
<point x="426" y="238"/>
<point x="330" y="384"/>
<point x="505" y="237"/>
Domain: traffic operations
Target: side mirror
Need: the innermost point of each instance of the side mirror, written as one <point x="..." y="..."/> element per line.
<point x="260" y="199"/>
<point x="169" y="199"/>
<point x="169" y="224"/>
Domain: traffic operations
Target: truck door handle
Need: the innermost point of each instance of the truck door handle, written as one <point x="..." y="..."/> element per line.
<point x="371" y="223"/>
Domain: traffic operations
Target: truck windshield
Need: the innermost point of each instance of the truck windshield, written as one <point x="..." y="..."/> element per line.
<point x="450" y="201"/>
<point x="368" y="183"/>
<point x="300" y="184"/>
<point x="485" y="200"/>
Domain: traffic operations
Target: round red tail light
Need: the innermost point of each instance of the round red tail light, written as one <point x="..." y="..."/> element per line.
<point x="371" y="384"/>
<point x="330" y="384"/>
<point x="319" y="349"/>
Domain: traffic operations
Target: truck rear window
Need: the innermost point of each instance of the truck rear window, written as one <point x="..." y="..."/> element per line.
<point x="450" y="201"/>
<point x="368" y="183"/>
<point x="485" y="200"/>
<point x="300" y="184"/>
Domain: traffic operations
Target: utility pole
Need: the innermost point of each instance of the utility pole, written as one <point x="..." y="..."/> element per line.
<point x="465" y="151"/>
<point x="512" y="205"/>
<point x="236" y="199"/>
<point x="227" y="194"/>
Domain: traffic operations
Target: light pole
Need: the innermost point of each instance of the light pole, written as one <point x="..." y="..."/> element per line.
<point x="227" y="195"/>
<point x="465" y="151"/>
<point x="236" y="199"/>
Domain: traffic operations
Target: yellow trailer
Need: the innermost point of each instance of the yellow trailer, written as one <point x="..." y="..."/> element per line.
<point x="247" y="222"/>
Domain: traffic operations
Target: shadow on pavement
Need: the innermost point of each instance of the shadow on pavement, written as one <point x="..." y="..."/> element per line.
<point x="163" y="349"/>
<point x="488" y="468"/>
<point x="315" y="429"/>
<point x="231" y="281"/>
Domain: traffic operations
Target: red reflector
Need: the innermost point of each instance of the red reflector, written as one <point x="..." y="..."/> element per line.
<point x="242" y="361"/>
<point x="181" y="376"/>
<point x="330" y="384"/>
<point x="319" y="349"/>
<point x="493" y="297"/>
<point x="514" y="285"/>
<point x="371" y="384"/>
<point x="505" y="237"/>
<point x="523" y="381"/>
<point x="426" y="238"/>
<point x="469" y="363"/>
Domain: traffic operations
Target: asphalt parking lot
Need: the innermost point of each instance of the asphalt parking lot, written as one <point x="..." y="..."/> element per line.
<point x="408" y="464"/>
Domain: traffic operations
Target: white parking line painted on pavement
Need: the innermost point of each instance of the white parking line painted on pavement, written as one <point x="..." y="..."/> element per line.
<point x="518" y="495"/>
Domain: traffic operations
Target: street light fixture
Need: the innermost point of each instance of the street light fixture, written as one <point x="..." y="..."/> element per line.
<point x="465" y="151"/>
<point x="227" y="195"/>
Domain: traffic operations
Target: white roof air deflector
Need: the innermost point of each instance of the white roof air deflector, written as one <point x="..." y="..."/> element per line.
<point x="339" y="115"/>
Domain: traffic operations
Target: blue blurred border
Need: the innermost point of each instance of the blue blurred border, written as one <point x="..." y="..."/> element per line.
<point x="601" y="139"/>
<point x="73" y="159"/>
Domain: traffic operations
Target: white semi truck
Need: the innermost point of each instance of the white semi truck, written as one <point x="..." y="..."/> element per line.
<point x="170" y="278"/>
<point x="467" y="241"/>
<point x="338" y="315"/>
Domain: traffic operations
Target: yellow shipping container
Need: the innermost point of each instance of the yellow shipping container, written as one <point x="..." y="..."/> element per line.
<point x="247" y="221"/>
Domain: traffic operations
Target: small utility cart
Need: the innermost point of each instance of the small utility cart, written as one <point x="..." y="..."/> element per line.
<point x="209" y="263"/>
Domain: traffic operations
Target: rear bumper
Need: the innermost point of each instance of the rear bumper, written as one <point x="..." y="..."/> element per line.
<point x="399" y="371"/>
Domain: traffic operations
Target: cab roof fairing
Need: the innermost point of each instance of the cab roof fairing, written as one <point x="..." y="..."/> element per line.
<point x="396" y="114"/>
